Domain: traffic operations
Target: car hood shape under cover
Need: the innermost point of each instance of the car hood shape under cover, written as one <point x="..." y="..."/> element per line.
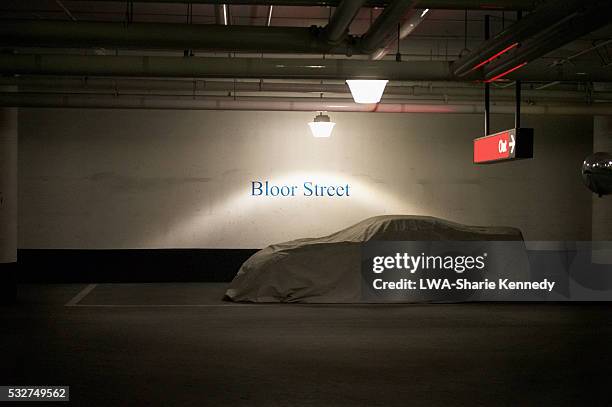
<point x="328" y="269"/>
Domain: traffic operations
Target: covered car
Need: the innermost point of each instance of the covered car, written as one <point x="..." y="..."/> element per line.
<point x="328" y="269"/>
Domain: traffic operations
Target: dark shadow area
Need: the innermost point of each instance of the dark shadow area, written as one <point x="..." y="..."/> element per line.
<point x="129" y="265"/>
<point x="307" y="355"/>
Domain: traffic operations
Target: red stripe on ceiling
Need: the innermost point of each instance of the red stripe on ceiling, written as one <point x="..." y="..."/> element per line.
<point x="500" y="53"/>
<point x="501" y="75"/>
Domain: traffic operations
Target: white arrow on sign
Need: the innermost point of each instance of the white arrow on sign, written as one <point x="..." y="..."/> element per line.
<point x="512" y="143"/>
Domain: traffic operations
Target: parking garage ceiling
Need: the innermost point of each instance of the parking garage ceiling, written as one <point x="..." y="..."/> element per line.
<point x="305" y="49"/>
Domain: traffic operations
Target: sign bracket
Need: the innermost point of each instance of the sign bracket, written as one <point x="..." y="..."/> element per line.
<point x="513" y="144"/>
<point x="517" y="90"/>
<point x="487" y="86"/>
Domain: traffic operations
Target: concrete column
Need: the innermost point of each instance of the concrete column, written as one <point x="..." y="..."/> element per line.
<point x="602" y="207"/>
<point x="8" y="203"/>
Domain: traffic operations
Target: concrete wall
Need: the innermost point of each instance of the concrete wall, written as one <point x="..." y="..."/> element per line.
<point x="147" y="179"/>
<point x="8" y="185"/>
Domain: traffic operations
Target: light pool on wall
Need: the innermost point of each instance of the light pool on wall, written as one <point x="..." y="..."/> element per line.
<point x="248" y="215"/>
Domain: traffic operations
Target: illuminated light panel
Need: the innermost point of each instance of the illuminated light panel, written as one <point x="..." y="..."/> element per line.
<point x="500" y="53"/>
<point x="501" y="75"/>
<point x="367" y="90"/>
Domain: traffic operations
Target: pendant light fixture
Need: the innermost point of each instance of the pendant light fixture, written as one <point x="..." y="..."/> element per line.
<point x="321" y="126"/>
<point x="367" y="90"/>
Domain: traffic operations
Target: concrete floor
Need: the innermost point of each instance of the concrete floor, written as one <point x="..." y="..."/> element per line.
<point x="117" y="346"/>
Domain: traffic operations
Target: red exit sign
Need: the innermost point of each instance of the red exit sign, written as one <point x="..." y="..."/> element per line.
<point x="513" y="144"/>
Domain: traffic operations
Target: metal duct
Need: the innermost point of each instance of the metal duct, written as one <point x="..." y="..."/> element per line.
<point x="384" y="29"/>
<point x="415" y="18"/>
<point x="63" y="34"/>
<point x="442" y="91"/>
<point x="219" y="37"/>
<point x="340" y="21"/>
<point x="420" y="97"/>
<point x="277" y="104"/>
<point x="432" y="4"/>
<point x="259" y="68"/>
<point x="542" y="18"/>
<point x="197" y="67"/>
<point x="582" y="23"/>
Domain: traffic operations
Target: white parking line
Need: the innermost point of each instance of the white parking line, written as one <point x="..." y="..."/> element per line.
<point x="172" y="305"/>
<point x="242" y="305"/>
<point x="82" y="294"/>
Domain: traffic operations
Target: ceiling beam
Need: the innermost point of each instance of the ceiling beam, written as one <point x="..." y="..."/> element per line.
<point x="431" y="4"/>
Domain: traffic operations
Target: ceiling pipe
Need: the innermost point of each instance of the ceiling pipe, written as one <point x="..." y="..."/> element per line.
<point x="419" y="97"/>
<point x="338" y="26"/>
<point x="259" y="68"/>
<point x="203" y="67"/>
<point x="415" y="18"/>
<point x="198" y="87"/>
<point x="277" y="104"/>
<point x="81" y="34"/>
<point x="432" y="4"/>
<point x="384" y="29"/>
<point x="542" y="18"/>
<point x="219" y="37"/>
<point x="587" y="20"/>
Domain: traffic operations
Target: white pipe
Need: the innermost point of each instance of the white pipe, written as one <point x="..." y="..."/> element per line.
<point x="408" y="26"/>
<point x="415" y="97"/>
<point x="203" y="67"/>
<point x="200" y="87"/>
<point x="266" y="68"/>
<point x="279" y="104"/>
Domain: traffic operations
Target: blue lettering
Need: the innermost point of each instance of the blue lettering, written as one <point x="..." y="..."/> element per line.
<point x="255" y="188"/>
<point x="265" y="188"/>
<point x="308" y="188"/>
